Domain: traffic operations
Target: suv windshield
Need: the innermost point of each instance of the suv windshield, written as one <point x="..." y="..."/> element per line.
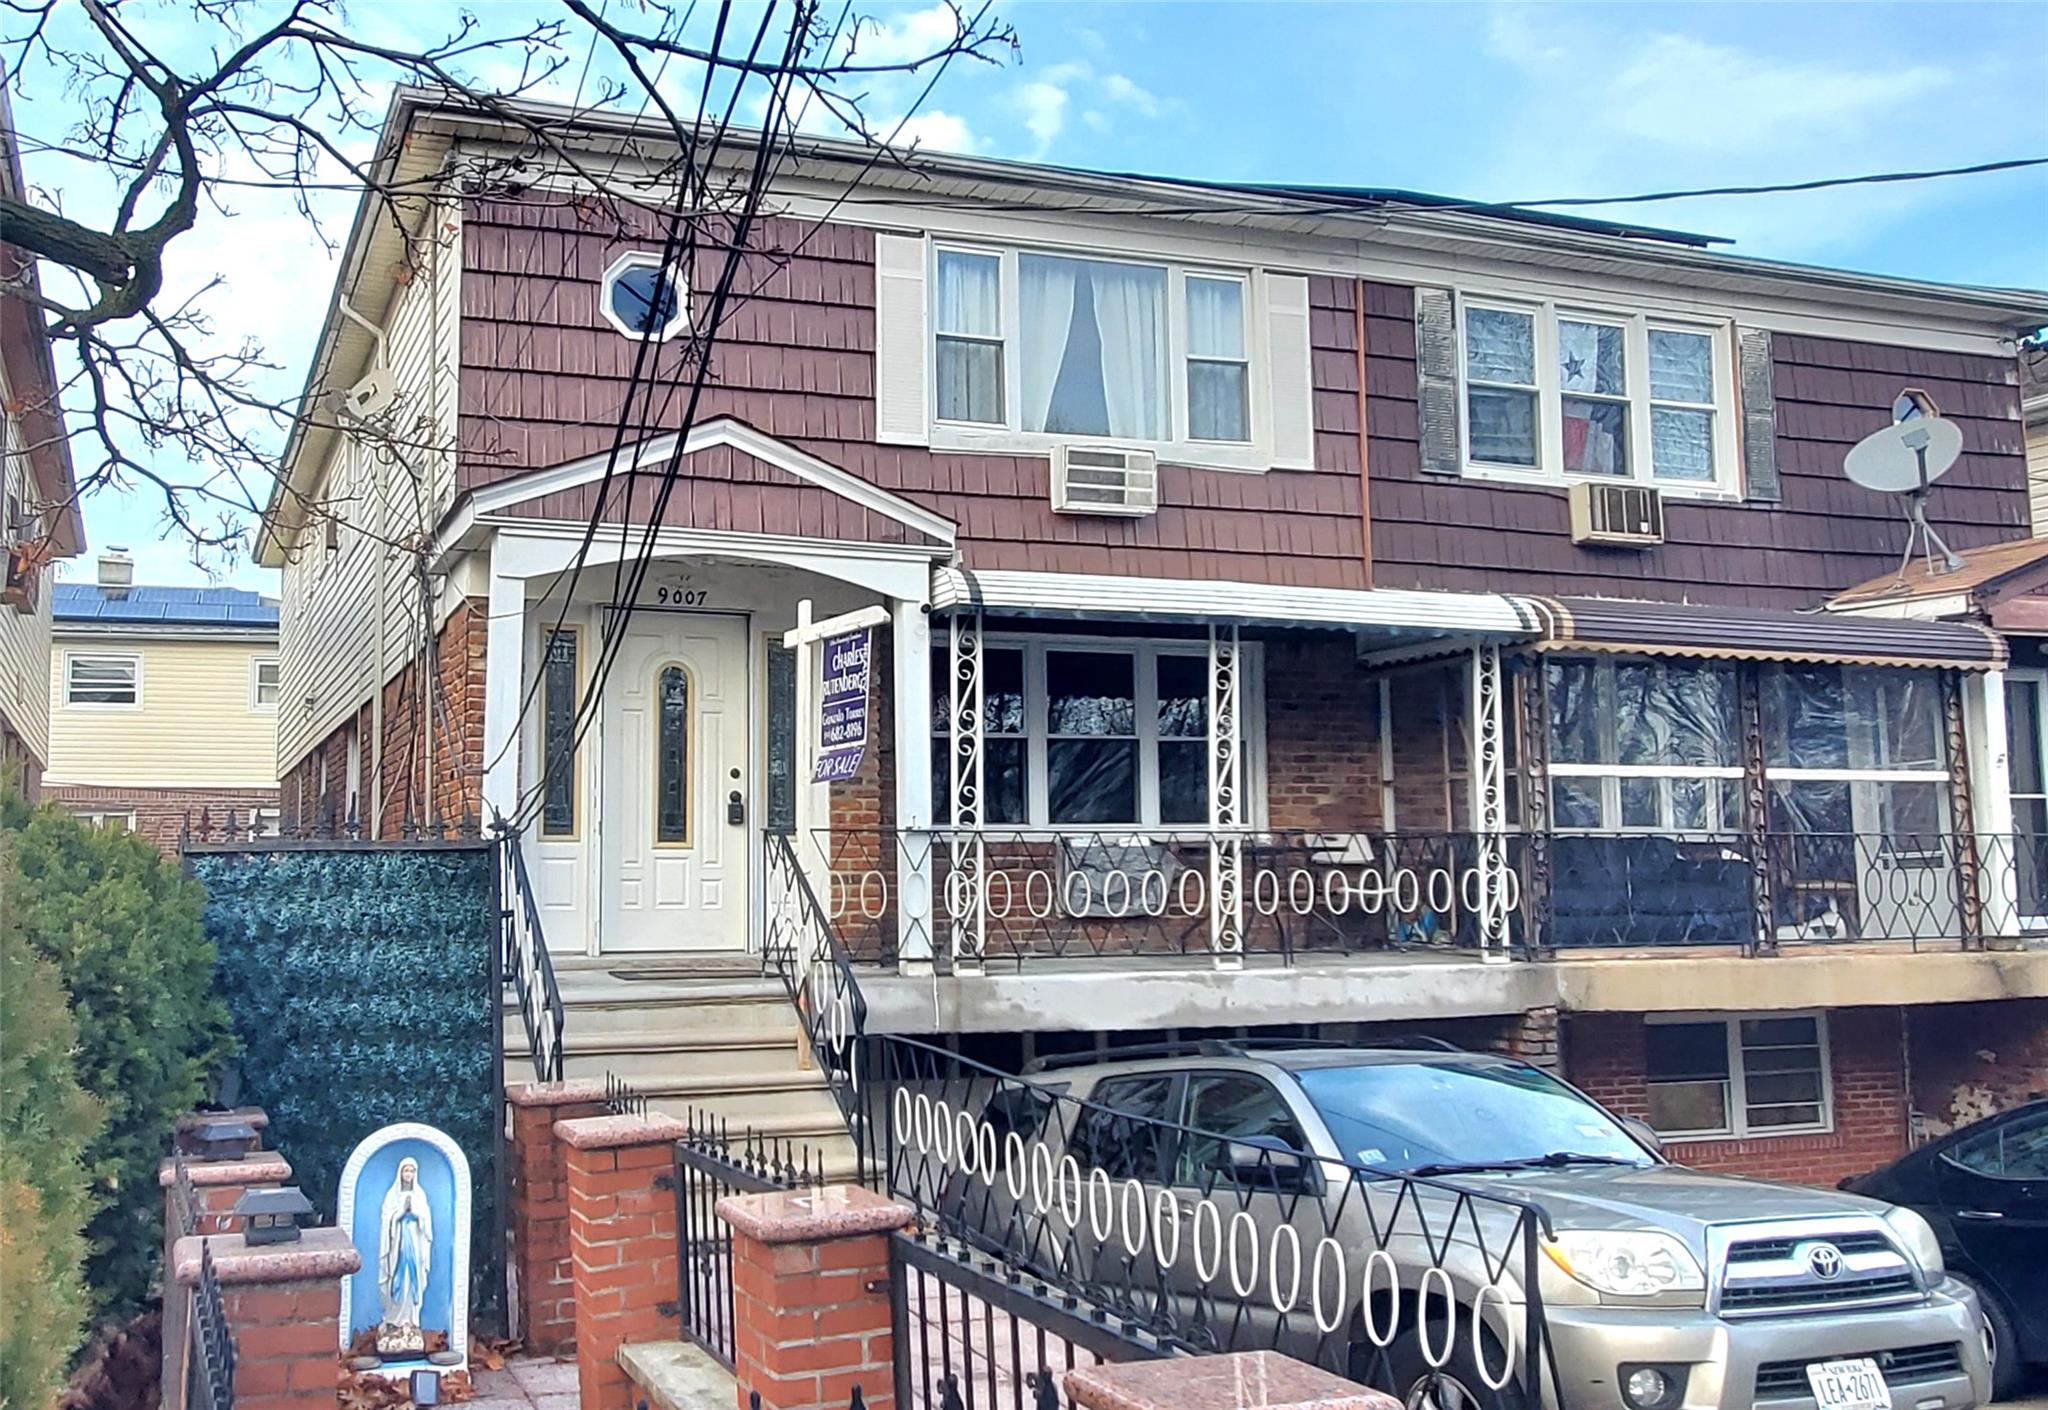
<point x="1405" y="1116"/>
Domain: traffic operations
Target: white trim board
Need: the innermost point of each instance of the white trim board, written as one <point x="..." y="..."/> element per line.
<point x="721" y="431"/>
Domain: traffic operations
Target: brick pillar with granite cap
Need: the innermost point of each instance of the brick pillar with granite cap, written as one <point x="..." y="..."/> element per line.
<point x="537" y="1189"/>
<point x="283" y="1305"/>
<point x="1243" y="1380"/>
<point x="810" y="1278"/>
<point x="216" y="1185"/>
<point x="622" y="1243"/>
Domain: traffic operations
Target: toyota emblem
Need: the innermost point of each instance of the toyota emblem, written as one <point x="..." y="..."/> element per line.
<point x="1825" y="1260"/>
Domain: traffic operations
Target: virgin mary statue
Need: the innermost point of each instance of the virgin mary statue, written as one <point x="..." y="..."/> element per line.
<point x="405" y="1253"/>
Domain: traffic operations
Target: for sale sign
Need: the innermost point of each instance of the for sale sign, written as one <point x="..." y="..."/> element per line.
<point x="843" y="706"/>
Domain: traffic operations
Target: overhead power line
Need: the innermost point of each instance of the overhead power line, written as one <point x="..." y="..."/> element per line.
<point x="1824" y="183"/>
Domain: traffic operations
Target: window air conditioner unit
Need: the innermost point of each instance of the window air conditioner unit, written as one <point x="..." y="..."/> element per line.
<point x="1098" y="480"/>
<point x="1616" y="516"/>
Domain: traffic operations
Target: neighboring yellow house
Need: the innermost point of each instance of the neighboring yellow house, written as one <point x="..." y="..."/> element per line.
<point x="163" y="705"/>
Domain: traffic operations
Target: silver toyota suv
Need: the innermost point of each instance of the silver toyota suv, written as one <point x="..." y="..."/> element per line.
<point x="1661" y="1287"/>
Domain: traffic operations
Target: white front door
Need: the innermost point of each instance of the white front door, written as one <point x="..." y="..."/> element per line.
<point x="673" y="854"/>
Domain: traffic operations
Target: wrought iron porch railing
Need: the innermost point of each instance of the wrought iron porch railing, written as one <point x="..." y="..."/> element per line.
<point x="1016" y="896"/>
<point x="1011" y="895"/>
<point x="1166" y="1239"/>
<point x="802" y="947"/>
<point x="210" y="1354"/>
<point x="524" y="950"/>
<point x="711" y="1162"/>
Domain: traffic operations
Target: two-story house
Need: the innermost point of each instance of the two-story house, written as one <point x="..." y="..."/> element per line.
<point x="39" y="518"/>
<point x="163" y="706"/>
<point x="1281" y="607"/>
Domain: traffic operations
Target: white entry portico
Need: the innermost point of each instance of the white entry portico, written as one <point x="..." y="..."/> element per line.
<point x="648" y="841"/>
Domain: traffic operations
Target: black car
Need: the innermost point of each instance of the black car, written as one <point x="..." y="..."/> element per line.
<point x="1985" y="1191"/>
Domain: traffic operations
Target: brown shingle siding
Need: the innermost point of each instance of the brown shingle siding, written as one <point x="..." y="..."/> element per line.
<point x="1826" y="533"/>
<point x="543" y="381"/>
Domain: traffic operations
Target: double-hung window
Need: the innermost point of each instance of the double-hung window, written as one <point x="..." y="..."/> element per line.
<point x="1075" y="347"/>
<point x="1644" y="746"/>
<point x="103" y="681"/>
<point x="1555" y="392"/>
<point x="263" y="683"/>
<point x="1084" y="733"/>
<point x="1758" y="1076"/>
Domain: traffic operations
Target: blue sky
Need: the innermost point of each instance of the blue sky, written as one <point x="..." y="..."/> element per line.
<point x="1497" y="102"/>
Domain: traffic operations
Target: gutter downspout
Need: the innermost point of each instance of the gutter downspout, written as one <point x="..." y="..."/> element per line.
<point x="380" y="359"/>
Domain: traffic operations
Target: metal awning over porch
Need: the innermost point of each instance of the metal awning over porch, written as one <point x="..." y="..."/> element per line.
<point x="1383" y="618"/>
<point x="1734" y="633"/>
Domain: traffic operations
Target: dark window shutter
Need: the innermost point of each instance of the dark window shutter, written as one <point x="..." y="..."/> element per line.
<point x="1436" y="381"/>
<point x="1759" y="414"/>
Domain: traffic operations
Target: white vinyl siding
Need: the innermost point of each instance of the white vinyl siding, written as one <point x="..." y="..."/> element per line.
<point x="149" y="744"/>
<point x="351" y="614"/>
<point x="24" y="636"/>
<point x="2037" y="476"/>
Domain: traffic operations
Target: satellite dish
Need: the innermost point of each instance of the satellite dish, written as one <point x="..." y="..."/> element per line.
<point x="1907" y="457"/>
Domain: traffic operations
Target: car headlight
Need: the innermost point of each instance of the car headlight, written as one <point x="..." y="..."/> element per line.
<point x="1918" y="1236"/>
<point x="1638" y="1263"/>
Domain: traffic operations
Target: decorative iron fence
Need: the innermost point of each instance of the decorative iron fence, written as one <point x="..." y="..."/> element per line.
<point x="711" y="1162"/>
<point x="526" y="961"/>
<point x="210" y="1358"/>
<point x="1172" y="1239"/>
<point x="974" y="1333"/>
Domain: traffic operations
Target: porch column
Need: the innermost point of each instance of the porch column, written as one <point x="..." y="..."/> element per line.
<point x="1489" y="804"/>
<point x="911" y="628"/>
<point x="1991" y="802"/>
<point x="966" y="899"/>
<point x="1226" y="803"/>
<point x="504" y="640"/>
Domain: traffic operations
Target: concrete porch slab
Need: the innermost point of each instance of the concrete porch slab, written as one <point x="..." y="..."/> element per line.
<point x="1132" y="992"/>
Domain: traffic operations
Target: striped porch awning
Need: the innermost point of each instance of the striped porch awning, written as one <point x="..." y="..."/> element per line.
<point x="1751" y="634"/>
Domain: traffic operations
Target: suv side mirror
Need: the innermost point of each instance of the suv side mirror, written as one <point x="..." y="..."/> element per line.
<point x="1643" y="1131"/>
<point x="1269" y="1163"/>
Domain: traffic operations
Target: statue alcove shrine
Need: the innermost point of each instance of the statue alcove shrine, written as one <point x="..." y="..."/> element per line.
<point x="405" y="1204"/>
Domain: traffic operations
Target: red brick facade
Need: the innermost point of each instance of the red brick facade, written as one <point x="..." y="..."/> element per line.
<point x="1971" y="1060"/>
<point x="163" y="814"/>
<point x="442" y="729"/>
<point x="1604" y="1055"/>
<point x="537" y="1186"/>
<point x="18" y="765"/>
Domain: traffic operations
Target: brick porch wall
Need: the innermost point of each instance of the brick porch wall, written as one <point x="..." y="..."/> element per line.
<point x="161" y="813"/>
<point x="1604" y="1055"/>
<point x="1971" y="1060"/>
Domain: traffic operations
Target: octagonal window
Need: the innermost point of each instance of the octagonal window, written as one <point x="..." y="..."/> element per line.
<point x="643" y="298"/>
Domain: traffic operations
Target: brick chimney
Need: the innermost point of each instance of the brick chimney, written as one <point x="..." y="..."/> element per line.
<point x="116" y="572"/>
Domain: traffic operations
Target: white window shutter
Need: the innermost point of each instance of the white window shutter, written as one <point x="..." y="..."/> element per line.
<point x="1293" y="400"/>
<point x="901" y="416"/>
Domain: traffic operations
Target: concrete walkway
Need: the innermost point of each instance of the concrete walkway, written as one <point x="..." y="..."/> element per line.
<point x="526" y="1383"/>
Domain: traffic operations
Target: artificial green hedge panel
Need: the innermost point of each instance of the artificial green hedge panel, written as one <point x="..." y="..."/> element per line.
<point x="358" y="979"/>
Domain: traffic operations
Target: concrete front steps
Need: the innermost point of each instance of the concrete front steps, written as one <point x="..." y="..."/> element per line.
<point x="703" y="1041"/>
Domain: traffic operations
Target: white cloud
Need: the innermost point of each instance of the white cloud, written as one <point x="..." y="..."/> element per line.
<point x="1043" y="106"/>
<point x="935" y="131"/>
<point x="1601" y="110"/>
<point x="911" y="35"/>
<point x="1043" y="102"/>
